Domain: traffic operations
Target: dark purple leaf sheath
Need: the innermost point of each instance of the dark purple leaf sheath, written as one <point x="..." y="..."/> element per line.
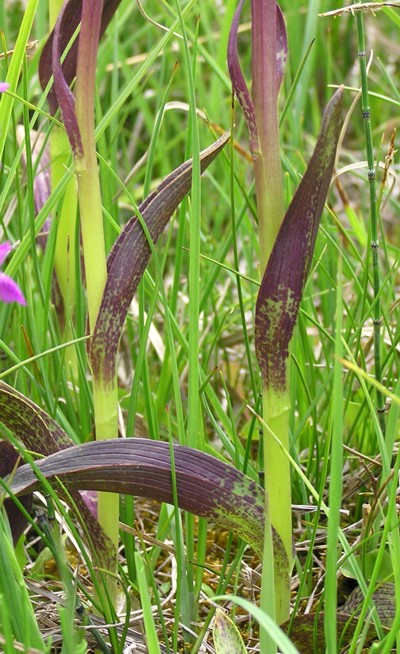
<point x="288" y="266"/>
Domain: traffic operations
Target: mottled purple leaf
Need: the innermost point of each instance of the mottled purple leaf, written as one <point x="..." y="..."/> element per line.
<point x="286" y="273"/>
<point x="307" y="632"/>
<point x="226" y="635"/>
<point x="39" y="433"/>
<point x="129" y="257"/>
<point x="205" y="485"/>
<point x="71" y="18"/>
<point x="30" y="424"/>
<point x="238" y="81"/>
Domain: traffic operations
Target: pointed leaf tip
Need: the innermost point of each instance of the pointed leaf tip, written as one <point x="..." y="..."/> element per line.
<point x="129" y="257"/>
<point x="283" y="282"/>
<point x="226" y="636"/>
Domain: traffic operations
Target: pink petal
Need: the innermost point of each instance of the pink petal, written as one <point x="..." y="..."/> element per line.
<point x="5" y="249"/>
<point x="10" y="291"/>
<point x="4" y="86"/>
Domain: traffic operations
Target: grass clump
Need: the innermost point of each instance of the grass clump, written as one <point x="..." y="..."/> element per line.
<point x="213" y="342"/>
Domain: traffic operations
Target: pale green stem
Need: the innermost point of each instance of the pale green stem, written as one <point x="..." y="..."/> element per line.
<point x="65" y="250"/>
<point x="278" y="485"/>
<point x="268" y="584"/>
<point x="106" y="420"/>
<point x="92" y="236"/>
<point x="64" y="256"/>
<point x="105" y="396"/>
<point x="270" y="210"/>
<point x="270" y="207"/>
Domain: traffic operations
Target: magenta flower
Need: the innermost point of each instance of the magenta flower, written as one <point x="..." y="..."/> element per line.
<point x="9" y="290"/>
<point x="4" y="86"/>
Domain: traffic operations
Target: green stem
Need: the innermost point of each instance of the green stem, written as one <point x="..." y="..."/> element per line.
<point x="268" y="600"/>
<point x="105" y="400"/>
<point x="105" y="395"/>
<point x="278" y="487"/>
<point x="92" y="234"/>
<point x="65" y="250"/>
<point x="270" y="209"/>
<point x="366" y="114"/>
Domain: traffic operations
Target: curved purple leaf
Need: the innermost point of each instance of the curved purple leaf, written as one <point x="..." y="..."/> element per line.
<point x="206" y="486"/>
<point x="30" y="424"/>
<point x="286" y="273"/>
<point x="238" y="81"/>
<point x="72" y="10"/>
<point x="41" y="434"/>
<point x="64" y="95"/>
<point x="129" y="257"/>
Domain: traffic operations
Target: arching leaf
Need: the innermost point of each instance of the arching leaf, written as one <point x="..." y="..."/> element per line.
<point x="129" y="257"/>
<point x="284" y="279"/>
<point x="206" y="486"/>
